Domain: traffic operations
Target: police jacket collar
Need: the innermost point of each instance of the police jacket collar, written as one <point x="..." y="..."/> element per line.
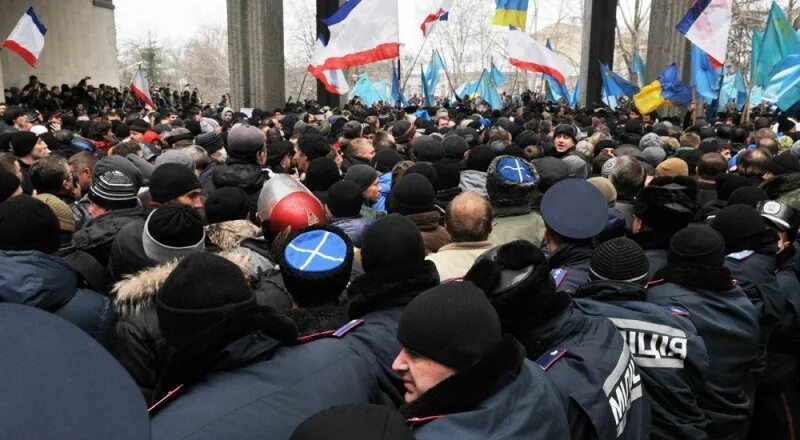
<point x="548" y="334"/>
<point x="468" y="388"/>
<point x="698" y="277"/>
<point x="569" y="254"/>
<point x="390" y="287"/>
<point x="612" y="290"/>
<point x="651" y="239"/>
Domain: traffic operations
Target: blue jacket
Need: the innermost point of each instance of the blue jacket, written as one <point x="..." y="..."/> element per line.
<point x="499" y="397"/>
<point x="385" y="183"/>
<point x="728" y="323"/>
<point x="570" y="265"/>
<point x="354" y="227"/>
<point x="46" y="282"/>
<point x="671" y="357"/>
<point x="271" y="395"/>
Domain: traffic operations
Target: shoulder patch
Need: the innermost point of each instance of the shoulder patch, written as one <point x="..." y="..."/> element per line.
<point x="347" y="328"/>
<point x="677" y="310"/>
<point x="550" y="357"/>
<point x="741" y="256"/>
<point x="558" y="275"/>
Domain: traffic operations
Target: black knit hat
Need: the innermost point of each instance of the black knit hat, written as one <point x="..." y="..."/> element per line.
<point x="313" y="146"/>
<point x="393" y="240"/>
<point x="173" y="231"/>
<point x="664" y="209"/>
<point x="113" y="190"/>
<point x="748" y="195"/>
<point x="363" y="175"/>
<point x="619" y="259"/>
<point x="742" y="227"/>
<point x="425" y="169"/>
<point x="211" y="142"/>
<point x="427" y="149"/>
<point x="315" y="264"/>
<point x="567" y="130"/>
<point x="453" y="324"/>
<point x="27" y="224"/>
<point x="9" y="183"/>
<point x="412" y="194"/>
<point x="139" y="126"/>
<point x="344" y="199"/>
<point x="511" y="181"/>
<point x="728" y="183"/>
<point x="784" y="163"/>
<point x="226" y="204"/>
<point x="550" y="171"/>
<point x="354" y="421"/>
<point x="22" y="142"/>
<point x="172" y="180"/>
<point x="480" y="158"/>
<point x="402" y="131"/>
<point x="448" y="173"/>
<point x="386" y="160"/>
<point x="454" y="147"/>
<point x="276" y="151"/>
<point x="201" y="291"/>
<point x="321" y="174"/>
<point x="697" y="245"/>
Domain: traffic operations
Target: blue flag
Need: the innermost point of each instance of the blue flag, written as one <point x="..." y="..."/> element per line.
<point x="467" y="89"/>
<point x="426" y="91"/>
<point x="396" y="95"/>
<point x="576" y="91"/>
<point x="615" y="85"/>
<point x="780" y="40"/>
<point x="436" y="64"/>
<point x="638" y="67"/>
<point x="558" y="91"/>
<point x="705" y="78"/>
<point x="488" y="91"/>
<point x="497" y="76"/>
<point x="741" y="89"/>
<point x="672" y="88"/>
<point x="784" y="83"/>
<point x="370" y="92"/>
<point x="758" y="37"/>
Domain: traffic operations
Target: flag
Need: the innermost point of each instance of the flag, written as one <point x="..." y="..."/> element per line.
<point x="672" y="88"/>
<point x="426" y="91"/>
<point x="488" y="91"/>
<point x="650" y="98"/>
<point x="397" y="95"/>
<point x="707" y="25"/>
<point x="527" y="54"/>
<point x="334" y="80"/>
<point x="558" y="90"/>
<point x="638" y="67"/>
<point x="361" y="32"/>
<point x="511" y="13"/>
<point x="740" y="88"/>
<point x="370" y="92"/>
<point x="436" y="64"/>
<point x="576" y="91"/>
<point x="779" y="41"/>
<point x="141" y="89"/>
<point x="758" y="36"/>
<point x="784" y="84"/>
<point x="497" y="76"/>
<point x="705" y="78"/>
<point x="423" y="114"/>
<point x="27" y="38"/>
<point x="615" y="85"/>
<point x="469" y="88"/>
<point x="440" y="14"/>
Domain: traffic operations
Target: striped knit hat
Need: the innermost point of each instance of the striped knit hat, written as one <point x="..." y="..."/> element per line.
<point x="113" y="190"/>
<point x="619" y="259"/>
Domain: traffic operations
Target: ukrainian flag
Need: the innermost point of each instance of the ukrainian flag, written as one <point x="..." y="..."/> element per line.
<point x="650" y="98"/>
<point x="511" y="13"/>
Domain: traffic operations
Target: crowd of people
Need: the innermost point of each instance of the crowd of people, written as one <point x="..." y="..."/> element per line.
<point x="362" y="273"/>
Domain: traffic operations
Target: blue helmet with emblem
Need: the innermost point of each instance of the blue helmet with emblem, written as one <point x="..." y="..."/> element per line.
<point x="575" y="210"/>
<point x="315" y="264"/>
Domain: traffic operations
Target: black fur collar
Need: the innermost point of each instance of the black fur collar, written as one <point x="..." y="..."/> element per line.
<point x="468" y="388"/>
<point x="237" y="340"/>
<point x="651" y="239"/>
<point x="392" y="287"/>
<point x="711" y="278"/>
<point x="315" y="320"/>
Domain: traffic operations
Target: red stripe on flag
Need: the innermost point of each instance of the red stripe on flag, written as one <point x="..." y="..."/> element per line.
<point x="320" y="75"/>
<point x="381" y="52"/>
<point x="142" y="96"/>
<point x="430" y="19"/>
<point x="533" y="67"/>
<point x="21" y="51"/>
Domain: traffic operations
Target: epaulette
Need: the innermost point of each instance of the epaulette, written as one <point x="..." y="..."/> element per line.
<point x="550" y="357"/>
<point x="741" y="256"/>
<point x="338" y="333"/>
<point x="558" y="275"/>
<point x="418" y="421"/>
<point x="677" y="310"/>
<point x="656" y="282"/>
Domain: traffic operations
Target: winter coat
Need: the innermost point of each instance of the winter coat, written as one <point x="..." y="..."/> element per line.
<point x="97" y="238"/>
<point x="672" y="359"/>
<point x="350" y="160"/>
<point x="354" y="227"/>
<point x="473" y="181"/>
<point x="784" y="188"/>
<point x="206" y="179"/>
<point x="516" y="223"/>
<point x="80" y="212"/>
<point x="592" y="368"/>
<point x="502" y="396"/>
<point x="379" y="297"/>
<point x="241" y="237"/>
<point x="47" y="282"/>
<point x="570" y="264"/>
<point x="728" y="323"/>
<point x="385" y="183"/>
<point x="248" y="177"/>
<point x="127" y="255"/>
<point x="655" y="245"/>
<point x="626" y="208"/>
<point x="433" y="234"/>
<point x="91" y="274"/>
<point x="262" y="388"/>
<point x="455" y="259"/>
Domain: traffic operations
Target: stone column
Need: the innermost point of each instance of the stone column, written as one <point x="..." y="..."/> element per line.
<point x="599" y="23"/>
<point x="326" y="8"/>
<point x="255" y="48"/>
<point x="666" y="45"/>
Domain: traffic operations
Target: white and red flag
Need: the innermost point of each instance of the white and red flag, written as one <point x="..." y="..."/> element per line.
<point x="141" y="89"/>
<point x="27" y="38"/>
<point x="528" y="54"/>
<point x="440" y="14"/>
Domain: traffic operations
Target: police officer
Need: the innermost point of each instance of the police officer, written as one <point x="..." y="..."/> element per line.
<point x="697" y="284"/>
<point x="574" y="212"/>
<point x="664" y="343"/>
<point x="584" y="356"/>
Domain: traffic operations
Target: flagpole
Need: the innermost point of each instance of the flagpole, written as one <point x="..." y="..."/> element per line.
<point x="746" y="111"/>
<point x="446" y="75"/>
<point x="133" y="78"/>
<point x="399" y="102"/>
<point x="694" y="102"/>
<point x="414" y="64"/>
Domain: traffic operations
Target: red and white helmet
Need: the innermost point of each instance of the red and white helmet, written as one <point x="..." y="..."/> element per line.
<point x="286" y="203"/>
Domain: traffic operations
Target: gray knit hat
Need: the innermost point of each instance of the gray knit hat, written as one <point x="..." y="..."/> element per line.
<point x="650" y="140"/>
<point x="576" y="166"/>
<point x="113" y="190"/>
<point x="608" y="167"/>
<point x="654" y="155"/>
<point x="175" y="156"/>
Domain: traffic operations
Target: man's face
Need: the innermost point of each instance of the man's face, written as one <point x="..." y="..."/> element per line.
<point x="726" y="153"/>
<point x="22" y="123"/>
<point x="373" y="191"/>
<point x="420" y="374"/>
<point x="563" y="143"/>
<point x="228" y="116"/>
<point x="2" y="110"/>
<point x="312" y="121"/>
<point x="172" y="118"/>
<point x="300" y="160"/>
<point x="192" y="198"/>
<point x="40" y="150"/>
<point x="366" y="151"/>
<point x="137" y="137"/>
<point x="443" y="122"/>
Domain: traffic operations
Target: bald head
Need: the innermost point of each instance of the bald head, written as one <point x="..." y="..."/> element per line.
<point x="469" y="218"/>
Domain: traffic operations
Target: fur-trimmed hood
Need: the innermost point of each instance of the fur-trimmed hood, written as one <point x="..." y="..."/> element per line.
<point x="137" y="292"/>
<point x="228" y="235"/>
<point x="390" y="287"/>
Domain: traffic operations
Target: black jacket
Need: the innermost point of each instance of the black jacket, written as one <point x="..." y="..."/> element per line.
<point x="574" y="262"/>
<point x="671" y="357"/>
<point x="728" y="323"/>
<point x="240" y="174"/>
<point x="80" y="212"/>
<point x="655" y="245"/>
<point x="127" y="255"/>
<point x="350" y="160"/>
<point x="96" y="239"/>
<point x="92" y="275"/>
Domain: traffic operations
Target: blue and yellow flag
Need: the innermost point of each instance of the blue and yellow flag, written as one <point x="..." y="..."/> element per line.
<point x="638" y="67"/>
<point x="511" y="13"/>
<point x="779" y="40"/>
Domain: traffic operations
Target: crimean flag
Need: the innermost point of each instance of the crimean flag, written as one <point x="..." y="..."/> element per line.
<point x="528" y="54"/>
<point x="27" y="38"/>
<point x="511" y="13"/>
<point x="141" y="89"/>
<point x="440" y="14"/>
